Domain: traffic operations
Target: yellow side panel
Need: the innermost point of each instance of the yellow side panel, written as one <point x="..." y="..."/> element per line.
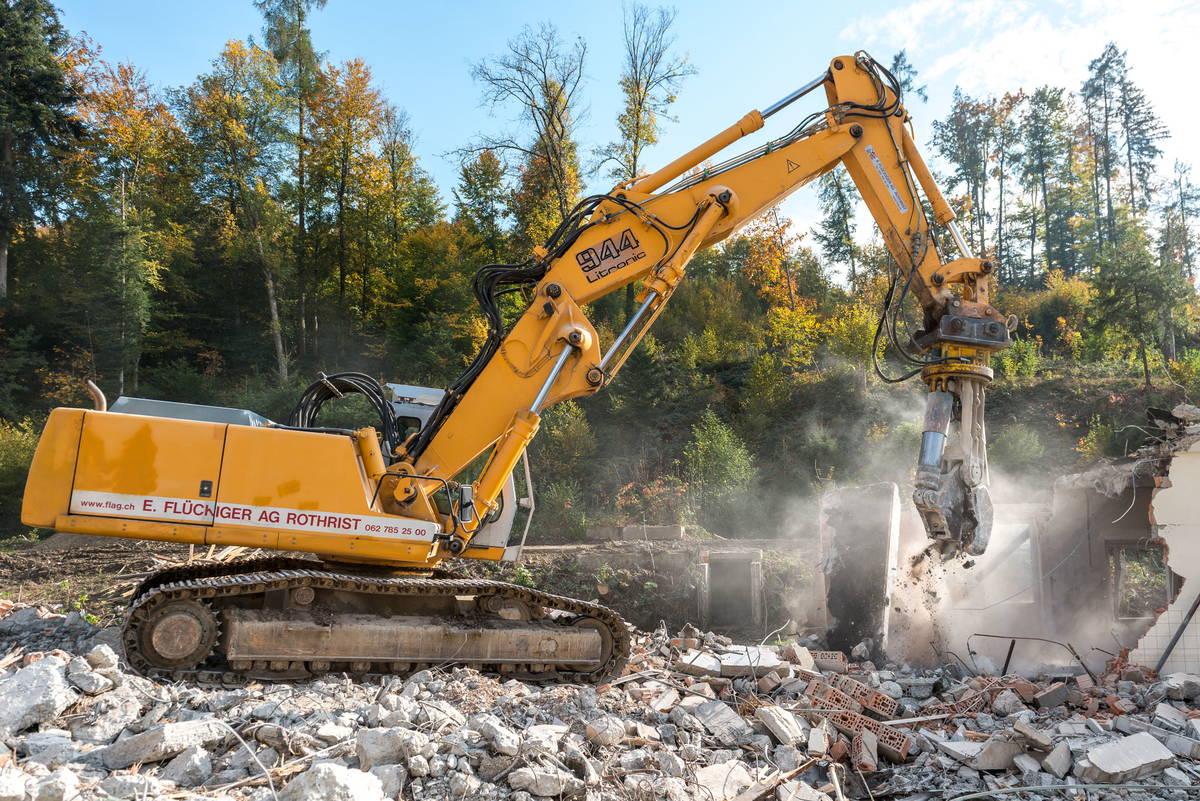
<point x="312" y="491"/>
<point x="150" y="468"/>
<point x="48" y="486"/>
<point x="292" y="469"/>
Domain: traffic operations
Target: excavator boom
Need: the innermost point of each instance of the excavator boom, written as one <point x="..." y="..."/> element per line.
<point x="382" y="509"/>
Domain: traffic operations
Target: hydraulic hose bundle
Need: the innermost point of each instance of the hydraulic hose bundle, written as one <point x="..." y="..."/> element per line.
<point x="338" y="385"/>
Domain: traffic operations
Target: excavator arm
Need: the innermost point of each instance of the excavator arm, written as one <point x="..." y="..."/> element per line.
<point x="642" y="232"/>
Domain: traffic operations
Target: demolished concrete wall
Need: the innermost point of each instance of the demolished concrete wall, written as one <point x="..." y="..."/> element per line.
<point x="1055" y="575"/>
<point x="860" y="534"/>
<point x="1176" y="515"/>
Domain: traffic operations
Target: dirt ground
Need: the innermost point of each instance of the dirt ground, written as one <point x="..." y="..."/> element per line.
<point x="92" y="574"/>
<point x="96" y="575"/>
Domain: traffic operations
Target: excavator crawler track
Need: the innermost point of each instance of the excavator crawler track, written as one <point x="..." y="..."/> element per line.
<point x="287" y="619"/>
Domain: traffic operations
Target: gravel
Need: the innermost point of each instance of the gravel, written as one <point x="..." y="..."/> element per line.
<point x="694" y="717"/>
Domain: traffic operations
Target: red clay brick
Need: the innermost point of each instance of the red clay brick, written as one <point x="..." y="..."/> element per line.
<point x="871" y="700"/>
<point x="893" y="743"/>
<point x="836" y="698"/>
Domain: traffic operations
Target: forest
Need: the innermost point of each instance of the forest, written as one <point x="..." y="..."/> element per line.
<point x="225" y="241"/>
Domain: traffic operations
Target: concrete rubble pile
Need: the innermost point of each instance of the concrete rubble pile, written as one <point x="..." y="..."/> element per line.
<point x="694" y="716"/>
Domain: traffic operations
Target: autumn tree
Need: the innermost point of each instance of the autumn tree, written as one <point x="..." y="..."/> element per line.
<point x="1135" y="291"/>
<point x="348" y="118"/>
<point x="1100" y="94"/>
<point x="548" y="181"/>
<point x="1179" y="215"/>
<point x="651" y="76"/>
<point x="540" y="77"/>
<point x="36" y="120"/>
<point x="128" y="161"/>
<point x="1045" y="170"/>
<point x="235" y="115"/>
<point x="412" y="198"/>
<point x="965" y="139"/>
<point x="1141" y="131"/>
<point x="1006" y="153"/>
<point x="287" y="35"/>
<point x="770" y="260"/>
<point x="479" y="203"/>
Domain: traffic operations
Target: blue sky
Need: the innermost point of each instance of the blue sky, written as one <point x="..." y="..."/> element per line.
<point x="746" y="55"/>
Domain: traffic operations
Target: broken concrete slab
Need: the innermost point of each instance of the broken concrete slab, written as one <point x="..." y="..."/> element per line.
<point x="918" y="687"/>
<point x="1008" y="702"/>
<point x="502" y="739"/>
<point x="60" y="785"/>
<point x="726" y="725"/>
<point x="1058" y="761"/>
<point x="1036" y="738"/>
<point x="1179" y="744"/>
<point x="723" y="781"/>
<point x="12" y="784"/>
<point x="544" y="781"/>
<point x="1134" y="757"/>
<point x="797" y="790"/>
<point x="327" y="781"/>
<point x="190" y="768"/>
<point x="1182" y="686"/>
<point x="698" y="663"/>
<point x="751" y="662"/>
<point x="130" y="785"/>
<point x="606" y="730"/>
<point x="799" y="655"/>
<point x="164" y="741"/>
<point x="820" y="738"/>
<point x="864" y="751"/>
<point x="33" y="695"/>
<point x="378" y="746"/>
<point x="1168" y="717"/>
<point x="1054" y="695"/>
<point x="1026" y="764"/>
<point x="989" y="755"/>
<point x="783" y="725"/>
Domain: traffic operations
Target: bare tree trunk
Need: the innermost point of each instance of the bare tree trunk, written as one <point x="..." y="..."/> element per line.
<point x="273" y="307"/>
<point x="341" y="224"/>
<point x="6" y="159"/>
<point x="1141" y="337"/>
<point x="1145" y="363"/>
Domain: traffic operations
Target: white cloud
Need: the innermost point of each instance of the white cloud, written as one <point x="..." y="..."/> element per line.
<point x="989" y="47"/>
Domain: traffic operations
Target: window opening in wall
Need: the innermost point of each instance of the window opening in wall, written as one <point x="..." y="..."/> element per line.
<point x="1139" y="580"/>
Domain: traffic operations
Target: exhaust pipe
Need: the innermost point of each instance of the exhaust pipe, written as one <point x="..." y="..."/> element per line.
<point x="99" y="402"/>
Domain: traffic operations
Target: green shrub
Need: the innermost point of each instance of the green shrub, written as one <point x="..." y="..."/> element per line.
<point x="1017" y="448"/>
<point x="1022" y="360"/>
<point x="1185" y="371"/>
<point x="17" y="444"/>
<point x="560" y="516"/>
<point x="1101" y="440"/>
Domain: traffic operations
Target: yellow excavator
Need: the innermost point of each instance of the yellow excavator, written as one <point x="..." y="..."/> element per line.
<point x="381" y="508"/>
